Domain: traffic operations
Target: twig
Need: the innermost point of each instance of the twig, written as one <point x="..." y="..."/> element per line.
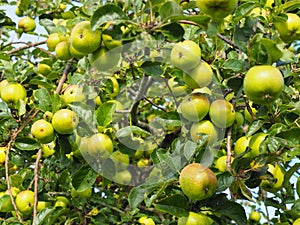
<point x="26" y="46"/>
<point x="249" y="108"/>
<point x="229" y="42"/>
<point x="8" y="147"/>
<point x="152" y="103"/>
<point x="229" y="150"/>
<point x="36" y="182"/>
<point x="64" y="77"/>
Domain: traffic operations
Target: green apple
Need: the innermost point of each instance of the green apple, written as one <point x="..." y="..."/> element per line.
<point x="53" y="39"/>
<point x="275" y="185"/>
<point x="255" y="216"/>
<point x="6" y="204"/>
<point x="123" y="177"/>
<point x="144" y="220"/>
<point x="194" y="107"/>
<point x="84" y="39"/>
<point x="2" y="155"/>
<point x="222" y="113"/>
<point x="185" y="55"/>
<point x="84" y="193"/>
<point x="217" y="9"/>
<point x="197" y="181"/>
<point x="256" y="144"/>
<point x="104" y="59"/>
<point x="204" y="127"/>
<point x="73" y="93"/>
<point x="241" y="145"/>
<point x="13" y="93"/>
<point x="142" y="162"/>
<point x="3" y="83"/>
<point x="62" y="50"/>
<point x="61" y="201"/>
<point x="201" y="76"/>
<point x="42" y="131"/>
<point x="198" y="219"/>
<point x="25" y="201"/>
<point x="121" y="160"/>
<point x="109" y="42"/>
<point x="76" y="54"/>
<point x="296" y="222"/>
<point x="42" y="205"/>
<point x="27" y="24"/>
<point x="289" y="30"/>
<point x="221" y="163"/>
<point x="64" y="121"/>
<point x="175" y="88"/>
<point x="43" y="69"/>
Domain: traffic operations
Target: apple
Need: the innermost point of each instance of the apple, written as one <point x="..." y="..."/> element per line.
<point x="221" y="163"/>
<point x="185" y="55"/>
<point x="14" y="191"/>
<point x="84" y="39"/>
<point x="3" y="83"/>
<point x="42" y="131"/>
<point x="73" y="93"/>
<point x="61" y="201"/>
<point x="2" y="155"/>
<point x="109" y="42"/>
<point x="256" y="144"/>
<point x="296" y="222"/>
<point x="144" y="220"/>
<point x="122" y="177"/>
<point x="25" y="201"/>
<point x="197" y="181"/>
<point x="204" y="127"/>
<point x="217" y="9"/>
<point x="84" y="193"/>
<point x="53" y="39"/>
<point x="142" y="162"/>
<point x="263" y="84"/>
<point x="6" y="204"/>
<point x="27" y="24"/>
<point x="222" y="113"/>
<point x="289" y="30"/>
<point x="76" y="54"/>
<point x="194" y="107"/>
<point x="13" y="93"/>
<point x="175" y="88"/>
<point x="198" y="219"/>
<point x="239" y="119"/>
<point x="64" y="121"/>
<point x="62" y="50"/>
<point x="43" y="69"/>
<point x="241" y="145"/>
<point x="255" y="216"/>
<point x="104" y="59"/>
<point x="120" y="160"/>
<point x="275" y="185"/>
<point x="247" y="115"/>
<point x="201" y="76"/>
<point x="48" y="116"/>
<point x="48" y="149"/>
<point x="42" y="205"/>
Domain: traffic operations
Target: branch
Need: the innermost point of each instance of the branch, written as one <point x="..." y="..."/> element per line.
<point x="64" y="77"/>
<point x="26" y="46"/>
<point x="228" y="41"/>
<point x="36" y="182"/>
<point x="229" y="150"/>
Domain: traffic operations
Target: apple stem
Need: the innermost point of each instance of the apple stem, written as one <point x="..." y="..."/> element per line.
<point x="36" y="183"/>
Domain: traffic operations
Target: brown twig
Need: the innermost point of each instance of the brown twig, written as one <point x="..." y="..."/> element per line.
<point x="64" y="77"/>
<point x="36" y="182"/>
<point x="249" y="108"/>
<point x="228" y="41"/>
<point x="8" y="147"/>
<point x="229" y="149"/>
<point x="26" y="46"/>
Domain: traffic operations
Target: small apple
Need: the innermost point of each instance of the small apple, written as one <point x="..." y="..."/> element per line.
<point x="64" y="121"/>
<point x="296" y="222"/>
<point x="53" y="39"/>
<point x="142" y="162"/>
<point x="13" y="93"/>
<point x="221" y="162"/>
<point x="194" y="107"/>
<point x="62" y="50"/>
<point x="222" y="113"/>
<point x="27" y="24"/>
<point x="84" y="193"/>
<point x="255" y="216"/>
<point x="241" y="145"/>
<point x="2" y="155"/>
<point x="109" y="42"/>
<point x="175" y="88"/>
<point x="42" y="205"/>
<point x="42" y="131"/>
<point x="43" y="69"/>
<point x="217" y="9"/>
<point x="144" y="220"/>
<point x="25" y="201"/>
<point x="61" y="201"/>
<point x="73" y="93"/>
<point x="122" y="177"/>
<point x="256" y="144"/>
<point x="84" y="39"/>
<point x="185" y="55"/>
<point x="76" y="54"/>
<point x="201" y="76"/>
<point x="289" y="30"/>
<point x="197" y="181"/>
<point x="3" y="83"/>
<point x="198" y="219"/>
<point x="275" y="185"/>
<point x="204" y="127"/>
<point x="120" y="160"/>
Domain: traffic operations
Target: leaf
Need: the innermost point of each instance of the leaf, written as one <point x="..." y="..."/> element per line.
<point x="233" y="64"/>
<point x="224" y="181"/>
<point x="107" y="13"/>
<point x="42" y="216"/>
<point x="26" y="144"/>
<point x="292" y="135"/>
<point x="4" y="110"/>
<point x="189" y="149"/>
<point x="255" y="126"/>
<point x="137" y="194"/>
<point x="173" y="31"/>
<point x="152" y="68"/>
<point x="5" y="204"/>
<point x="104" y="113"/>
<point x="273" y="51"/>
<point x="243" y="9"/>
<point x="220" y="204"/>
<point x="169" y="9"/>
<point x="176" y="205"/>
<point x="42" y="100"/>
<point x="84" y="178"/>
<point x="289" y="174"/>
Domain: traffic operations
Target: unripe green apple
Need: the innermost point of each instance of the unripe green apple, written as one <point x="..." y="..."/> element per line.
<point x="278" y="175"/>
<point x="256" y="144"/>
<point x="123" y="177"/>
<point x="64" y="121"/>
<point x="61" y="201"/>
<point x="198" y="219"/>
<point x="194" y="107"/>
<point x="185" y="55"/>
<point x="2" y="155"/>
<point x="204" y="127"/>
<point x="289" y="30"/>
<point x="42" y="131"/>
<point x="76" y="54"/>
<point x="104" y="59"/>
<point x="73" y="93"/>
<point x="120" y="160"/>
<point x="25" y="201"/>
<point x="13" y="93"/>
<point x="296" y="222"/>
<point x="217" y="9"/>
<point x="201" y="76"/>
<point x="27" y="24"/>
<point x="241" y="145"/>
<point x="62" y="50"/>
<point x="176" y="89"/>
<point x="43" y="69"/>
<point x="144" y="220"/>
<point x="42" y="205"/>
<point x="197" y="181"/>
<point x="222" y="113"/>
<point x="53" y="39"/>
<point x="221" y="162"/>
<point x="84" y="39"/>
<point x="255" y="216"/>
<point x="3" y="83"/>
<point x="109" y="42"/>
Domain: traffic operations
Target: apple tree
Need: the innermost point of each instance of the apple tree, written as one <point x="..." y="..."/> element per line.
<point x="149" y="112"/>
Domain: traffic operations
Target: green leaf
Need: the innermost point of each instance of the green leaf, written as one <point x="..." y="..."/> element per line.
<point x="234" y="65"/>
<point x="243" y="9"/>
<point x="292" y="135"/>
<point x="255" y="126"/>
<point x="273" y="51"/>
<point x="152" y="68"/>
<point x="289" y="174"/>
<point x="224" y="181"/>
<point x="57" y="213"/>
<point x="200" y="20"/>
<point x="173" y="31"/>
<point x="289" y="6"/>
<point x="169" y="9"/>
<point x="84" y="178"/>
<point x="4" y="110"/>
<point x="176" y="205"/>
<point x="26" y="144"/>
<point x="43" y="216"/>
<point x="23" y="4"/>
<point x="107" y="13"/>
<point x="42" y="100"/>
<point x="104" y="113"/>
<point x="5" y="204"/>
